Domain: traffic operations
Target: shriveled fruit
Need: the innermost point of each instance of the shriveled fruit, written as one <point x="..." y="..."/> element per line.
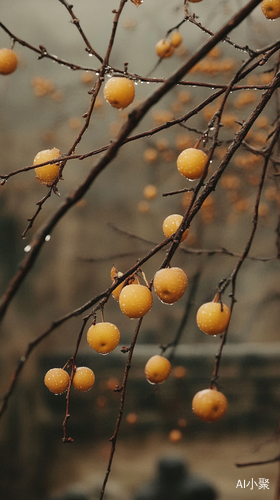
<point x="135" y="300"/>
<point x="132" y="280"/>
<point x="171" y="224"/>
<point x="209" y="405"/>
<point x="213" y="317"/>
<point x="271" y="8"/>
<point x="57" y="380"/>
<point x="164" y="48"/>
<point x="83" y="379"/>
<point x="103" y="337"/>
<point x="8" y="61"/>
<point x="157" y="369"/>
<point x="48" y="173"/>
<point x="119" y="91"/>
<point x="191" y="163"/>
<point x="170" y="284"/>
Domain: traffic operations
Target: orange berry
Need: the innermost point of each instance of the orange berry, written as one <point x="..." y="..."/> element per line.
<point x="171" y="224"/>
<point x="184" y="96"/>
<point x="161" y="116"/>
<point x="57" y="380"/>
<point x="176" y="38"/>
<point x="131" y="418"/>
<point x="182" y="422"/>
<point x="191" y="163"/>
<point x="47" y="174"/>
<point x="179" y="371"/>
<point x="135" y="300"/>
<point x="162" y="144"/>
<point x="164" y="48"/>
<point x="175" y="436"/>
<point x="157" y="369"/>
<point x="119" y="91"/>
<point x="209" y="405"/>
<point x="150" y="191"/>
<point x="112" y="383"/>
<point x="83" y="379"/>
<point x="8" y="61"/>
<point x="170" y="284"/>
<point x="143" y="206"/>
<point x="212" y="318"/>
<point x="103" y="337"/>
<point x="271" y="8"/>
<point x="150" y="155"/>
<point x="183" y="141"/>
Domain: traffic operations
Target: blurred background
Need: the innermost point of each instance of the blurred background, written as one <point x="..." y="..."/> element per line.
<point x="116" y="223"/>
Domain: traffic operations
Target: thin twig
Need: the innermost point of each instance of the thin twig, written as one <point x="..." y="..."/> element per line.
<point x="121" y="409"/>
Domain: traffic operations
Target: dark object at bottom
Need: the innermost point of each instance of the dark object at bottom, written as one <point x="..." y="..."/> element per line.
<point x="173" y="481"/>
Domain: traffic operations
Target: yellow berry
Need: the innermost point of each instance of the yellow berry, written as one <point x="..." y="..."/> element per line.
<point x="209" y="405"/>
<point x="135" y="300"/>
<point x="213" y="318"/>
<point x="47" y="174"/>
<point x="157" y="369"/>
<point x="83" y="379"/>
<point x="57" y="380"/>
<point x="103" y="337"/>
<point x="271" y="8"/>
<point x="170" y="284"/>
<point x="176" y="38"/>
<point x="119" y="92"/>
<point x="8" y="61"/>
<point x="143" y="206"/>
<point x="150" y="192"/>
<point x="164" y="48"/>
<point x="191" y="163"/>
<point x="150" y="155"/>
<point x="171" y="224"/>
